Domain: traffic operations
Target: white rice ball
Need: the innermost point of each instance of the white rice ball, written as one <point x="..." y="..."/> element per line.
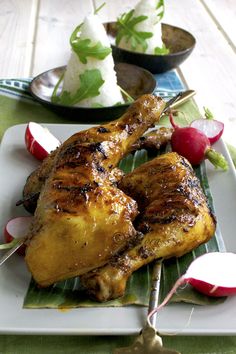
<point x="110" y="93"/>
<point x="146" y="8"/>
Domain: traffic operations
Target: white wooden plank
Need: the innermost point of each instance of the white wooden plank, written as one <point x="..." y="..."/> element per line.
<point x="56" y="21"/>
<point x="113" y="8"/>
<point x="211" y="68"/>
<point x="224" y="13"/>
<point x="17" y="20"/>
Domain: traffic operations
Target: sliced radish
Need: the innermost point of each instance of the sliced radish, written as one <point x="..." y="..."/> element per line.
<point x="17" y="228"/>
<point x="212" y="128"/>
<point x="39" y="141"/>
<point x="213" y="274"/>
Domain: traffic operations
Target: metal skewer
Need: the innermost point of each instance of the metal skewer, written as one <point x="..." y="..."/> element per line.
<point x="185" y="96"/>
<point x="155" y="290"/>
<point x="8" y="254"/>
<point x="179" y="99"/>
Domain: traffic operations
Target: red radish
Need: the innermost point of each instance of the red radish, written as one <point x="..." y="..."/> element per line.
<point x="213" y="274"/>
<point x="212" y="128"/>
<point x="39" y="141"/>
<point x="195" y="146"/>
<point x="17" y="228"/>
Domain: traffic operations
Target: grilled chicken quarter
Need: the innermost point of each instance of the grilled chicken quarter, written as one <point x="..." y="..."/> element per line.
<point x="82" y="219"/>
<point x="174" y="219"/>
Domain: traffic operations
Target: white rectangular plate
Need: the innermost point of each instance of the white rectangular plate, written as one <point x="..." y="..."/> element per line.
<point x="15" y="165"/>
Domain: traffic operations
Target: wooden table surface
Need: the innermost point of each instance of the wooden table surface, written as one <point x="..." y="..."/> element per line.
<point x="34" y="37"/>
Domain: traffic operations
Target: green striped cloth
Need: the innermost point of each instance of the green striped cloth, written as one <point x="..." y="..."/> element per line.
<point x="17" y="106"/>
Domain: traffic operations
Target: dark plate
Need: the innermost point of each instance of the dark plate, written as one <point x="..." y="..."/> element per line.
<point x="133" y="79"/>
<point x="178" y="41"/>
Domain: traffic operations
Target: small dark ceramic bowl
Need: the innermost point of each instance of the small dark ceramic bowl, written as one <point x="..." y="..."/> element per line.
<point x="178" y="41"/>
<point x="134" y="80"/>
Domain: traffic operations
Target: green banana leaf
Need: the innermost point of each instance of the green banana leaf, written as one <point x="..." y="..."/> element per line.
<point x="69" y="293"/>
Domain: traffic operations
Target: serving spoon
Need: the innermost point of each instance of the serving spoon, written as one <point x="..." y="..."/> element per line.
<point x="148" y="341"/>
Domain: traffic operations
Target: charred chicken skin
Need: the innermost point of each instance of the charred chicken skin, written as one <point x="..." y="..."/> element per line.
<point x="174" y="219"/>
<point x="82" y="219"/>
<point x="153" y="140"/>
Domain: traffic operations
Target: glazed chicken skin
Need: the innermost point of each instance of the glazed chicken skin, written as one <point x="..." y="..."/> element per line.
<point x="174" y="220"/>
<point x="153" y="140"/>
<point x="82" y="219"/>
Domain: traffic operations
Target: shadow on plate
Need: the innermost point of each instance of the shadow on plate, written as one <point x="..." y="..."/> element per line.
<point x="180" y="43"/>
<point x="134" y="80"/>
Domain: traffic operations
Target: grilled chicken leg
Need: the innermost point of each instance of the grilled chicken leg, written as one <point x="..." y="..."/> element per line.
<point x="174" y="219"/>
<point x="82" y="219"/>
<point x="152" y="140"/>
